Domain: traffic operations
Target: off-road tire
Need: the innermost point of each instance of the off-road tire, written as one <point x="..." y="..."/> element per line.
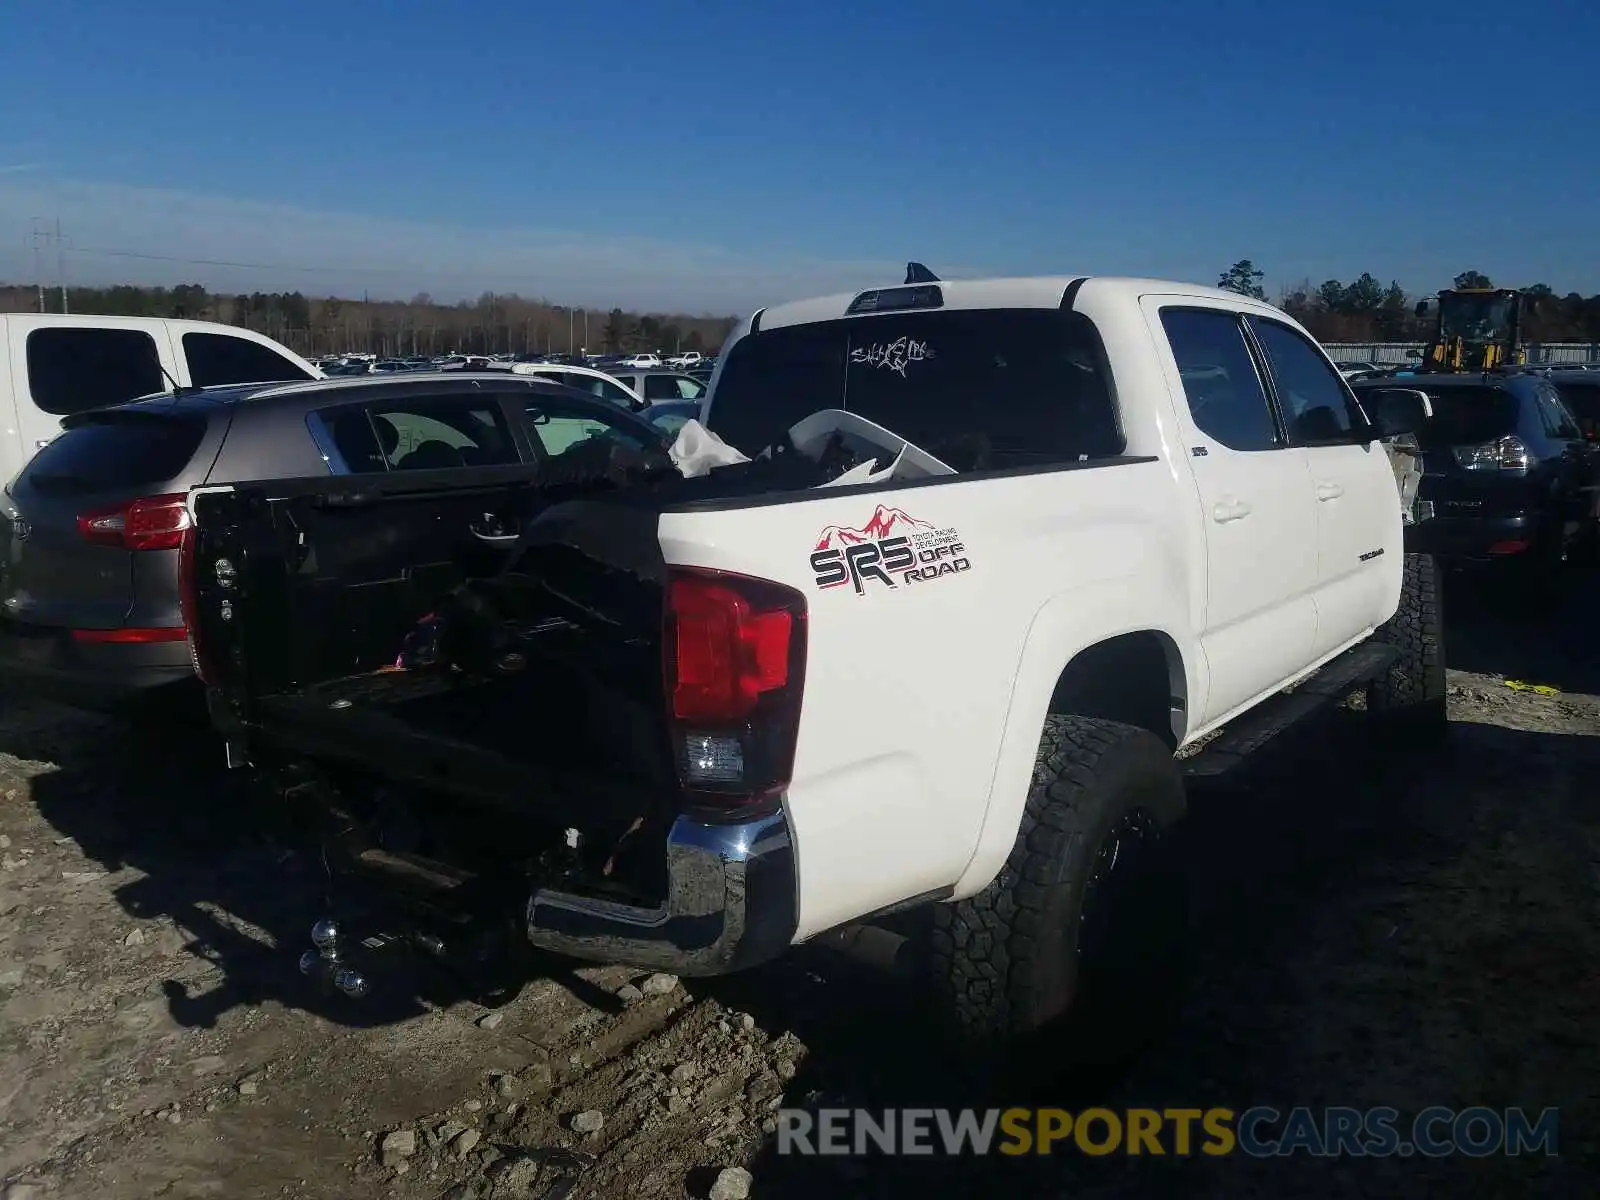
<point x="1006" y="962"/>
<point x="1408" y="700"/>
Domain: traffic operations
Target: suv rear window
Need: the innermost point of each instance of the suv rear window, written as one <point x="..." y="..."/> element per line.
<point x="979" y="389"/>
<point x="218" y="358"/>
<point x="71" y="369"/>
<point x="1466" y="416"/>
<point x="115" y="453"/>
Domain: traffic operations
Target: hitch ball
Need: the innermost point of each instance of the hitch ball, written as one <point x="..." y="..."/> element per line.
<point x="325" y="936"/>
<point x="351" y="982"/>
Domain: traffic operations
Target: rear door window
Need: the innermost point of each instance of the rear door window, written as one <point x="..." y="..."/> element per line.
<point x="672" y="387"/>
<point x="71" y="369"/>
<point x="121" y="452"/>
<point x="978" y="389"/>
<point x="1553" y="415"/>
<point x="1223" y="387"/>
<point x="1583" y="401"/>
<point x="558" y="428"/>
<point x="425" y="434"/>
<point x="218" y="358"/>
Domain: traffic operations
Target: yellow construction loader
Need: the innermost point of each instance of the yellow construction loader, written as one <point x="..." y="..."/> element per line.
<point x="1476" y="329"/>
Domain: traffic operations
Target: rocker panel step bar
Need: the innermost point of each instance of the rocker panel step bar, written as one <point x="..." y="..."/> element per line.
<point x="1329" y="684"/>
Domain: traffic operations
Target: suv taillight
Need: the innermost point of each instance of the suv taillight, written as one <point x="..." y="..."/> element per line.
<point x="735" y="654"/>
<point x="1503" y="454"/>
<point x="149" y="523"/>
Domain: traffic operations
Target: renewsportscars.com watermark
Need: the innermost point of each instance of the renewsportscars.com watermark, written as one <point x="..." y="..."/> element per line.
<point x="1259" y="1132"/>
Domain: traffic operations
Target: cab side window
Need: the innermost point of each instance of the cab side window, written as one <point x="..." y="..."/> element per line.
<point x="1220" y="381"/>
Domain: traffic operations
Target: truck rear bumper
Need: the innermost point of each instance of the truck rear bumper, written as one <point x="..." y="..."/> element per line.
<point x="731" y="903"/>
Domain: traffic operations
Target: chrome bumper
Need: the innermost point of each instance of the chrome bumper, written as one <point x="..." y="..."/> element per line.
<point x="731" y="903"/>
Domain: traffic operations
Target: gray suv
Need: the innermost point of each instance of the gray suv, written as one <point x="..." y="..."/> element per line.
<point x="90" y="528"/>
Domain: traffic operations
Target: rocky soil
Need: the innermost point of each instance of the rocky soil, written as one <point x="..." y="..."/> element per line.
<point x="1402" y="932"/>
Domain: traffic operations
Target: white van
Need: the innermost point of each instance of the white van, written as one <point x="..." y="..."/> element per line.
<point x="52" y="365"/>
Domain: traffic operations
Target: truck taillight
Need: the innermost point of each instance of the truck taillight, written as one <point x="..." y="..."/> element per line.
<point x="735" y="652"/>
<point x="1503" y="454"/>
<point x="189" y="598"/>
<point x="149" y="523"/>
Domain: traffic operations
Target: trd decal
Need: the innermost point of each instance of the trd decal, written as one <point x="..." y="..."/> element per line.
<point x="1371" y="554"/>
<point x="891" y="549"/>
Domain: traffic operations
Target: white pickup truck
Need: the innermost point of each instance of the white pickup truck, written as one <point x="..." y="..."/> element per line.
<point x="700" y="720"/>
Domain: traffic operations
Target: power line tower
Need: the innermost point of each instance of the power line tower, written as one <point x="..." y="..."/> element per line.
<point x="44" y="234"/>
<point x="61" y="264"/>
<point x="40" y="236"/>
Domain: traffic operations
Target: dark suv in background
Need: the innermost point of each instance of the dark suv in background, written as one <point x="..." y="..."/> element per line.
<point x="1507" y="468"/>
<point x="91" y="527"/>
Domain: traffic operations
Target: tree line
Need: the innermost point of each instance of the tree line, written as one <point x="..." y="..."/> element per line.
<point x="1366" y="310"/>
<point x="494" y="323"/>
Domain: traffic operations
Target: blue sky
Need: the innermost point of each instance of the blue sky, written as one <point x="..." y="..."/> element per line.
<point x="726" y="155"/>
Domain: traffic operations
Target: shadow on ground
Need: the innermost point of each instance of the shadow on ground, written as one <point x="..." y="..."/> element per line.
<point x="229" y="873"/>
<point x="1301" y="990"/>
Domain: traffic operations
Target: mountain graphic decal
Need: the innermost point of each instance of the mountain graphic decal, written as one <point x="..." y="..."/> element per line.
<point x="884" y="523"/>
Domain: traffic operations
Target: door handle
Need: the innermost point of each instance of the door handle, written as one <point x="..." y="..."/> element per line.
<point x="1230" y="510"/>
<point x="1329" y="491"/>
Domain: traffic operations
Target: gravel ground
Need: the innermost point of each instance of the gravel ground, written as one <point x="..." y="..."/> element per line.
<point x="1365" y="932"/>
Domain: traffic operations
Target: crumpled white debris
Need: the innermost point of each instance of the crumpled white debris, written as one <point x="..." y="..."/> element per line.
<point x="697" y="450"/>
<point x="907" y="461"/>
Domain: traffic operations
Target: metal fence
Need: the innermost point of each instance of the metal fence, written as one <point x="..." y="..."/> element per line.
<point x="1395" y="352"/>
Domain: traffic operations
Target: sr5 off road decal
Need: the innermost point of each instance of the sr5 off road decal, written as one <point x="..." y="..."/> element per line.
<point x="890" y="549"/>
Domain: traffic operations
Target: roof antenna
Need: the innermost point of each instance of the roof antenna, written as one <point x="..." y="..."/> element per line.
<point x="917" y="273"/>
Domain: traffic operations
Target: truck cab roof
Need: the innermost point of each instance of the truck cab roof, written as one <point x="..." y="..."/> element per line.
<point x="1042" y="291"/>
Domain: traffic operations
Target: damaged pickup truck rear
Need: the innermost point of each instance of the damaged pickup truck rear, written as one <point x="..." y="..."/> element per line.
<point x="919" y="620"/>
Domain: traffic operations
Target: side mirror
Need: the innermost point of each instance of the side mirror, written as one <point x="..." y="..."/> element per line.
<point x="1394" y="411"/>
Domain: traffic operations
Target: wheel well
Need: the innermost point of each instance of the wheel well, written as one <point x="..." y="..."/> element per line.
<point x="1136" y="678"/>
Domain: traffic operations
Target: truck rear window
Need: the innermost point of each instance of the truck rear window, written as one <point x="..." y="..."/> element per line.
<point x="114" y="454"/>
<point x="77" y="367"/>
<point x="980" y="389"/>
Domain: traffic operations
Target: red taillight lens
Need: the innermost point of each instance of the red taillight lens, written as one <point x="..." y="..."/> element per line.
<point x="127" y="636"/>
<point x="728" y="654"/>
<point x="735" y="661"/>
<point x="149" y="523"/>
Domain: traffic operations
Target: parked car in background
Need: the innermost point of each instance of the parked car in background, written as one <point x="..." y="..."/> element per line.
<point x="53" y="365"/>
<point x="684" y="361"/>
<point x="641" y="360"/>
<point x="586" y="379"/>
<point x="658" y="386"/>
<point x="90" y="530"/>
<point x="1507" y="469"/>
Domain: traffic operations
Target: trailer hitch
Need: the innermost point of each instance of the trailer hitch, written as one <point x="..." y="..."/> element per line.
<point x="326" y="965"/>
